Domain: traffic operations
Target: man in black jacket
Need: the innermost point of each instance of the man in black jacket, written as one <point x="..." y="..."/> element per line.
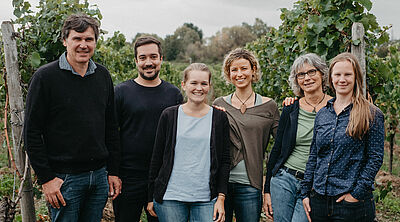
<point x="71" y="134"/>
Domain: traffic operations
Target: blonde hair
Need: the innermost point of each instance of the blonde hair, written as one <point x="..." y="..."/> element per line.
<point x="363" y="111"/>
<point x="196" y="67"/>
<point x="241" y="53"/>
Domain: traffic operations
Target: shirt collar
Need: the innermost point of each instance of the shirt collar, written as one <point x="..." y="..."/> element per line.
<point x="64" y="64"/>
<point x="330" y="105"/>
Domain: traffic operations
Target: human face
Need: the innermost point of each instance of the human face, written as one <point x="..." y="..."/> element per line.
<point x="80" y="46"/>
<point x="148" y="61"/>
<point x="343" y="78"/>
<point x="241" y="73"/>
<point x="197" y="86"/>
<point x="310" y="84"/>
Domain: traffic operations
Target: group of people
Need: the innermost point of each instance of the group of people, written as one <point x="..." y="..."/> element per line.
<point x="183" y="160"/>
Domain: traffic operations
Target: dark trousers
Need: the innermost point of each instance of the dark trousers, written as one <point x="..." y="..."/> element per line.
<point x="325" y="208"/>
<point x="129" y="204"/>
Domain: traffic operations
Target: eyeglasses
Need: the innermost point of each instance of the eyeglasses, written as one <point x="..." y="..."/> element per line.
<point x="310" y="73"/>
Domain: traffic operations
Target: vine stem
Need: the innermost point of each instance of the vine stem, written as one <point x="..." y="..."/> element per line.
<point x="6" y="128"/>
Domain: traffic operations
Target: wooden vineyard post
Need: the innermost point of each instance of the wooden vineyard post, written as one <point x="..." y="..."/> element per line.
<point x="17" y="120"/>
<point x="357" y="35"/>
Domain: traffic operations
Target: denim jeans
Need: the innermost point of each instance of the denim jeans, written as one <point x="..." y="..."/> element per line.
<point x="178" y="211"/>
<point x="325" y="208"/>
<point x="285" y="197"/>
<point x="85" y="195"/>
<point x="245" y="201"/>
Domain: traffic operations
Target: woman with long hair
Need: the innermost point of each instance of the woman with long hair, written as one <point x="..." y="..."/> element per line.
<point x="346" y="151"/>
<point x="287" y="163"/>
<point x="190" y="164"/>
<point x="252" y="120"/>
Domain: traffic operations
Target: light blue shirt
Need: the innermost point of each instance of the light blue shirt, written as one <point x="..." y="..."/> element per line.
<point x="64" y="64"/>
<point x="190" y="177"/>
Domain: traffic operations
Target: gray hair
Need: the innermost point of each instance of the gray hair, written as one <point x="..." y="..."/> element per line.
<point x="312" y="60"/>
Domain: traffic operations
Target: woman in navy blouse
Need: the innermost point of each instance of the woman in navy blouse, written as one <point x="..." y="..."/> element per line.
<point x="346" y="151"/>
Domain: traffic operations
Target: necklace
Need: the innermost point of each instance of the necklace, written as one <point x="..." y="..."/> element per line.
<point x="314" y="111"/>
<point x="243" y="107"/>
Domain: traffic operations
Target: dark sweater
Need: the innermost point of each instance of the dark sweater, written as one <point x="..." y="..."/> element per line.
<point x="164" y="148"/>
<point x="70" y="124"/>
<point x="285" y="141"/>
<point x="138" y="111"/>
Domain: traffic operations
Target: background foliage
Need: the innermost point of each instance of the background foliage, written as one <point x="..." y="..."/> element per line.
<point x="319" y="26"/>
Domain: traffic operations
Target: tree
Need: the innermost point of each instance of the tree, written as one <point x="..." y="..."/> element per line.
<point x="318" y="26"/>
<point x="226" y="40"/>
<point x="184" y="36"/>
<point x="388" y="94"/>
<point x="259" y="28"/>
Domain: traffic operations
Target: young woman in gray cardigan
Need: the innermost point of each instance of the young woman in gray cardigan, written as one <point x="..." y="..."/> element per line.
<point x="190" y="163"/>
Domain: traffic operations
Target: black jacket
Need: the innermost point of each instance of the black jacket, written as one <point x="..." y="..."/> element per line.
<point x="164" y="148"/>
<point x="285" y="141"/>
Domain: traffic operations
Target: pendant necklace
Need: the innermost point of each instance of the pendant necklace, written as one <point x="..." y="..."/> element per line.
<point x="243" y="107"/>
<point x="314" y="110"/>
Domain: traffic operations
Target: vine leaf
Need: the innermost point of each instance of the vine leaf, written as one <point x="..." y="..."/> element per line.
<point x="366" y="3"/>
<point x="35" y="59"/>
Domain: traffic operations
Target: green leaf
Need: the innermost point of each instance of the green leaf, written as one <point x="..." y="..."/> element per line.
<point x="35" y="59"/>
<point x="366" y="3"/>
<point x="17" y="12"/>
<point x="356" y="42"/>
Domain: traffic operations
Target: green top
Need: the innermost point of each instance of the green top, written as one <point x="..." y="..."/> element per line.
<point x="305" y="126"/>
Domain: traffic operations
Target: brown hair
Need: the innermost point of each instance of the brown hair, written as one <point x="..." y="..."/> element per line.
<point x="241" y="53"/>
<point x="145" y="40"/>
<point x="363" y="111"/>
<point x="79" y="23"/>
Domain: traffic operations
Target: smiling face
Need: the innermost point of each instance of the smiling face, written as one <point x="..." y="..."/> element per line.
<point x="148" y="61"/>
<point x="241" y="73"/>
<point x="196" y="86"/>
<point x="310" y="84"/>
<point x="343" y="78"/>
<point x="80" y="46"/>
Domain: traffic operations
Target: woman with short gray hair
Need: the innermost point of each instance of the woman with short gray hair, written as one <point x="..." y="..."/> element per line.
<point x="287" y="163"/>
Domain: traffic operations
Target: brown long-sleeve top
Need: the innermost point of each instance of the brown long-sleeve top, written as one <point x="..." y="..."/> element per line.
<point x="249" y="136"/>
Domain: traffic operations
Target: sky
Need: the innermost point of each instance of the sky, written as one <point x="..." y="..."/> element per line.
<point x="162" y="17"/>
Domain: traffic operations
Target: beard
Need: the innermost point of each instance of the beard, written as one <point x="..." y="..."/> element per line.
<point x="152" y="77"/>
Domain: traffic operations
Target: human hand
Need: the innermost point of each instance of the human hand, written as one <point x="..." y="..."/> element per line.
<point x="150" y="208"/>
<point x="347" y="197"/>
<point x="219" y="209"/>
<point x="220" y="108"/>
<point x="307" y="208"/>
<point x="52" y="193"/>
<point x="115" y="185"/>
<point x="288" y="101"/>
<point x="267" y="206"/>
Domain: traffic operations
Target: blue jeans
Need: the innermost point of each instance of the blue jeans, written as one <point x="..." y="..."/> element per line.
<point x="85" y="195"/>
<point x="178" y="211"/>
<point x="245" y="201"/>
<point x="325" y="208"/>
<point x="285" y="197"/>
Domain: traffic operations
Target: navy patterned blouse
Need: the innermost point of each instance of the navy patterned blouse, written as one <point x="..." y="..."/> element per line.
<point x="338" y="163"/>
